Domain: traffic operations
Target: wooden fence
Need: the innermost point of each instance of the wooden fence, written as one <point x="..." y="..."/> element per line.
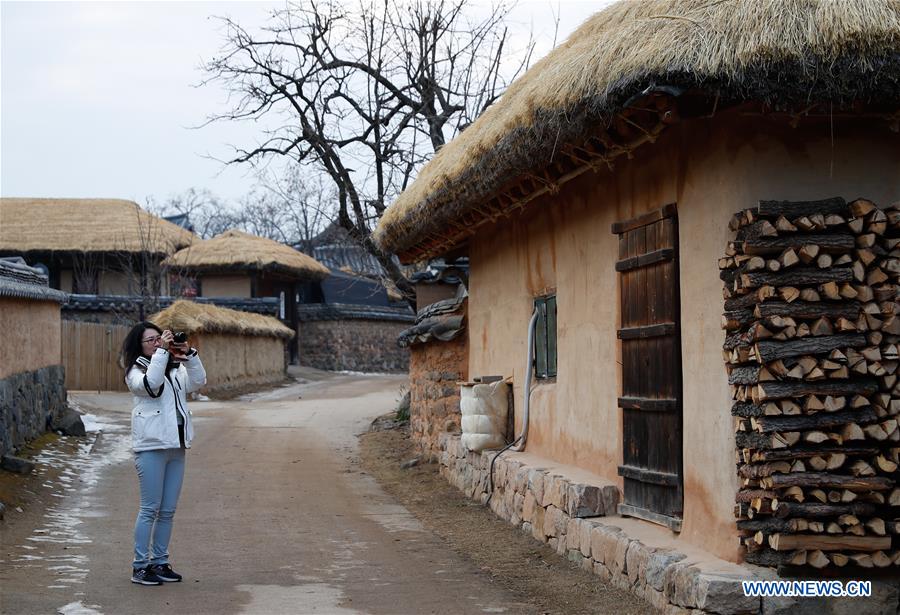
<point x="90" y="354"/>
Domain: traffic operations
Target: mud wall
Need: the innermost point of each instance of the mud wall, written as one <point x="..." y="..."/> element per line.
<point x="225" y="285"/>
<point x="233" y="361"/>
<point x="31" y="331"/>
<point x="563" y="243"/>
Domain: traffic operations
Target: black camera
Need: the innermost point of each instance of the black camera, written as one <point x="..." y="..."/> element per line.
<point x="180" y="337"/>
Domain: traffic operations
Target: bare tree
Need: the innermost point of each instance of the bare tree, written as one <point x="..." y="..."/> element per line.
<point x="208" y="214"/>
<point x="287" y="207"/>
<point x="364" y="96"/>
<point x="86" y="268"/>
<point x="141" y="265"/>
<point x="305" y="206"/>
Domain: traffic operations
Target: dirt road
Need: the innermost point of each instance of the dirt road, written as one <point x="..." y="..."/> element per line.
<point x="275" y="517"/>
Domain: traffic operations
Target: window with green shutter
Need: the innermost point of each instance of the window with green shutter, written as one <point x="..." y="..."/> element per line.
<point x="545" y="337"/>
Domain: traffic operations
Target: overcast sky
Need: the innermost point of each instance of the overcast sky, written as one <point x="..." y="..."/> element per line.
<point x="98" y="99"/>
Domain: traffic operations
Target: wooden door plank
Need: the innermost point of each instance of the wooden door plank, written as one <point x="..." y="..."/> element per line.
<point x="649" y="476"/>
<point x="643" y="220"/>
<point x="648" y="404"/>
<point x="643" y="260"/>
<point x="627" y="510"/>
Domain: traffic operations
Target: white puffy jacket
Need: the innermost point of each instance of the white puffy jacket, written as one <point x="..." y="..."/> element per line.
<point x="159" y="398"/>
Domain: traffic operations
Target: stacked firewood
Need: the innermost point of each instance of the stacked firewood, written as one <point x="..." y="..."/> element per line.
<point x="813" y="330"/>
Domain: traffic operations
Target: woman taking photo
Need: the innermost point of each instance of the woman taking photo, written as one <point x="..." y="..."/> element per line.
<point x="159" y="373"/>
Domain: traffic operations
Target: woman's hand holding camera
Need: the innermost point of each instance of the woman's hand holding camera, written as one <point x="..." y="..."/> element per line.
<point x="176" y="344"/>
<point x="166" y="339"/>
<point x="179" y="351"/>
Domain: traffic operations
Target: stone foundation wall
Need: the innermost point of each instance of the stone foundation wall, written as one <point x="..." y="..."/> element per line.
<point x="435" y="368"/>
<point x="576" y="520"/>
<point x="352" y="345"/>
<point x="30" y="404"/>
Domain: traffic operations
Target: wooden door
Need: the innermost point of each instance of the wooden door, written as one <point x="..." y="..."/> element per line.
<point x="651" y="367"/>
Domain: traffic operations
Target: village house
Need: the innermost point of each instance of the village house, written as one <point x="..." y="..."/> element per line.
<point x="239" y="348"/>
<point x="108" y="256"/>
<point x="341" y="320"/>
<point x="351" y="319"/>
<point x="91" y="246"/>
<point x="596" y="203"/>
<point x="236" y="264"/>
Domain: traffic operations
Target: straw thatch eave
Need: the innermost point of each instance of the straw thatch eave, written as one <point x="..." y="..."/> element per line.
<point x="193" y="318"/>
<point x="565" y="115"/>
<point x="236" y="251"/>
<point x="80" y="226"/>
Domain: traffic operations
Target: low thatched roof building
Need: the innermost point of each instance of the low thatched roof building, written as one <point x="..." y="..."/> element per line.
<point x="595" y="201"/>
<point x="238" y="348"/>
<point x="92" y="246"/>
<point x="236" y="250"/>
<point x="238" y="264"/>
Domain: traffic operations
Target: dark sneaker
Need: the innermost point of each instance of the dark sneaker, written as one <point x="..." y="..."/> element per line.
<point x="164" y="572"/>
<point x="144" y="576"/>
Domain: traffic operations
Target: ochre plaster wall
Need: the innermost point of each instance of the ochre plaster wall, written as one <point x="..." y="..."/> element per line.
<point x="710" y="168"/>
<point x="225" y="286"/>
<point x="232" y="361"/>
<point x="31" y="335"/>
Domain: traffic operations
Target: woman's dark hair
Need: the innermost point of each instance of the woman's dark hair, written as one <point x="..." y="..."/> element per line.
<point x="131" y="346"/>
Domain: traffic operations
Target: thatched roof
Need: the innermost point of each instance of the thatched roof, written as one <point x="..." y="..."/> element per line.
<point x="639" y="54"/>
<point x="192" y="317"/>
<point x="86" y="225"/>
<point x="236" y="250"/>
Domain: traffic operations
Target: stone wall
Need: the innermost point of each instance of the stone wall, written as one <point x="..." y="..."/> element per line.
<point x="435" y="368"/>
<point x="576" y="519"/>
<point x="30" y="403"/>
<point x="353" y="345"/>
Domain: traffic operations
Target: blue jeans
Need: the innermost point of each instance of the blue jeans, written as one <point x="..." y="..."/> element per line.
<point x="160" y="473"/>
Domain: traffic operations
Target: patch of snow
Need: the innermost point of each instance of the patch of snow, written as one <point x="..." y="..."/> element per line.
<point x="91" y="424"/>
<point x="347" y="372"/>
<point x="71" y="469"/>
<point x="77" y="608"/>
